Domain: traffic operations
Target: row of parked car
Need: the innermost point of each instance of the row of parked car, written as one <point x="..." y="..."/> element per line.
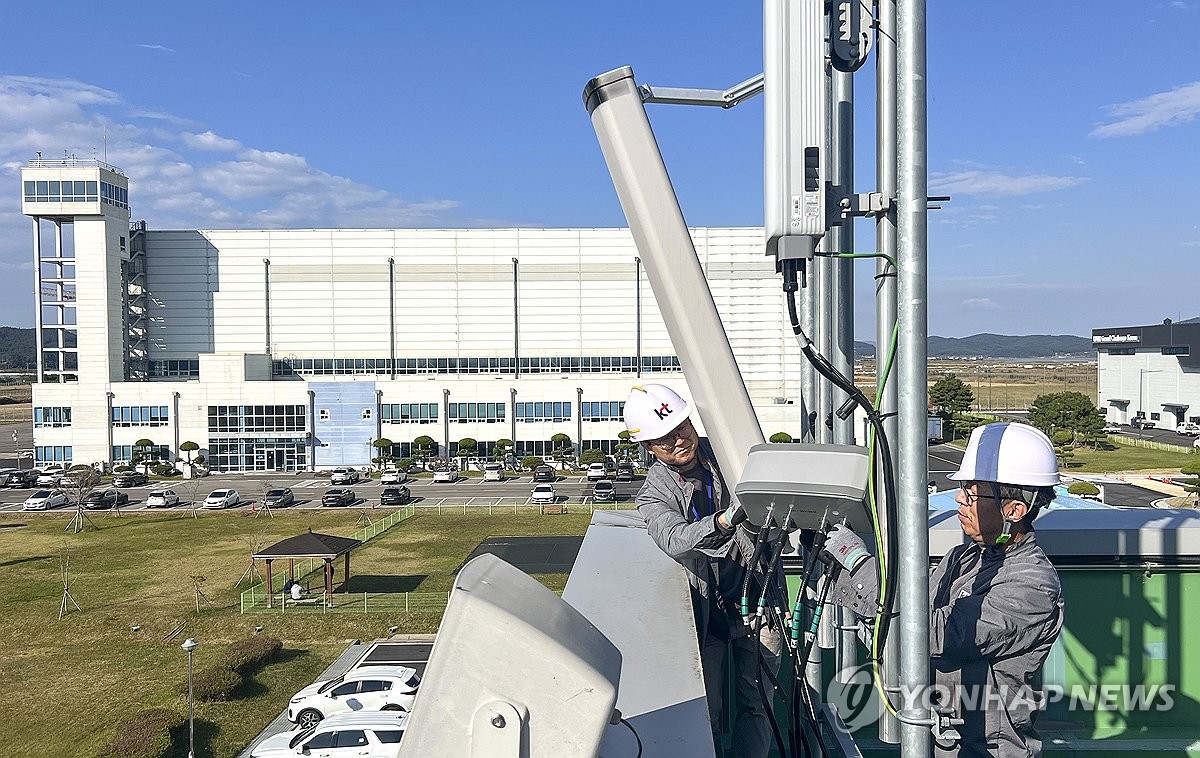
<point x="364" y="712"/>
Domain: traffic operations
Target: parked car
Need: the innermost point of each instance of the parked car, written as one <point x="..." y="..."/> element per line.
<point x="99" y="500"/>
<point x="393" y="477"/>
<point x="544" y="473"/>
<point x="1111" y="428"/>
<point x="395" y="496"/>
<point x="339" y="496"/>
<point x="222" y="499"/>
<point x="1196" y="444"/>
<point x="344" y="475"/>
<point x="130" y="479"/>
<point x="445" y="475"/>
<point x="49" y="477"/>
<point x="493" y="472"/>
<point x="370" y="733"/>
<point x="22" y="479"/>
<point x="279" y="498"/>
<point x="367" y="689"/>
<point x="543" y="493"/>
<point x="162" y="499"/>
<point x="604" y="491"/>
<point x="597" y="471"/>
<point x="1141" y="422"/>
<point x="1189" y="428"/>
<point x="624" y="473"/>
<point x="43" y="500"/>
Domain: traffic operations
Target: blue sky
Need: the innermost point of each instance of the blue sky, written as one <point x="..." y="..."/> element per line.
<point x="1065" y="131"/>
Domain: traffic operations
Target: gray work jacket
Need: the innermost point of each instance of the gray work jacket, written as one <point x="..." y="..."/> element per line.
<point x="994" y="614"/>
<point x="664" y="501"/>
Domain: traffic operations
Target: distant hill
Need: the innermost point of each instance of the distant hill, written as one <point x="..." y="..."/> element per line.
<point x="1000" y="346"/>
<point x="16" y="348"/>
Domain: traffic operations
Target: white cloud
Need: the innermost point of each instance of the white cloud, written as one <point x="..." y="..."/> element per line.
<point x="995" y="184"/>
<point x="162" y="48"/>
<point x="979" y="303"/>
<point x="210" y="140"/>
<point x="1171" y="108"/>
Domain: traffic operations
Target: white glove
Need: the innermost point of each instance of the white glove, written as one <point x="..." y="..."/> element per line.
<point x="846" y="547"/>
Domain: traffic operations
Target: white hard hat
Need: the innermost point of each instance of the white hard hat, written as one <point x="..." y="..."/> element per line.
<point x="652" y="410"/>
<point x="1009" y="453"/>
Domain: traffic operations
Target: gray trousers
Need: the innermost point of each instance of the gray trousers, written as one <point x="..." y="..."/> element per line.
<point x="751" y="730"/>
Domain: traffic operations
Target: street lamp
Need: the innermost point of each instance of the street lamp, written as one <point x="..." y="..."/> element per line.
<point x="189" y="645"/>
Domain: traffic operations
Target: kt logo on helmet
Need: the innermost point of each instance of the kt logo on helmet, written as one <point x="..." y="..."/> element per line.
<point x="663" y="411"/>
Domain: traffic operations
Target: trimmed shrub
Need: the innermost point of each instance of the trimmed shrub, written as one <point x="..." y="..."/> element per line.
<point x="248" y="655"/>
<point x="780" y="438"/>
<point x="1083" y="489"/>
<point x="145" y="734"/>
<point x="531" y="462"/>
<point x="216" y="682"/>
<point x="164" y="469"/>
<point x="120" y="469"/>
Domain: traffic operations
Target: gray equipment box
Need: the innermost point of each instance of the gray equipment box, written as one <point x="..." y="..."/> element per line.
<point x="812" y="480"/>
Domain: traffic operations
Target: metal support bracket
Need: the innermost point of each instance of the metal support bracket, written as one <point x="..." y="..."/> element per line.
<point x="496" y="731"/>
<point x="866" y="204"/>
<point x="715" y="97"/>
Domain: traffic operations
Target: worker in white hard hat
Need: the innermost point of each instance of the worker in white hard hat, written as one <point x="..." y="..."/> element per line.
<point x="996" y="603"/>
<point x="690" y="515"/>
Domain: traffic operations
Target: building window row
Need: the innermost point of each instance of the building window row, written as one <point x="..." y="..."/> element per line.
<point x="52" y="454"/>
<point x="1121" y="351"/>
<point x="140" y="415"/>
<point x="175" y="369"/>
<point x="604" y="410"/>
<point x="114" y="195"/>
<point x="258" y="454"/>
<point x="60" y="192"/>
<point x="488" y="412"/>
<point x="550" y="365"/>
<point x="411" y="413"/>
<point x="124" y="453"/>
<point x="256" y="418"/>
<point x="1177" y="350"/>
<point x="51" y="416"/>
<point x="543" y="411"/>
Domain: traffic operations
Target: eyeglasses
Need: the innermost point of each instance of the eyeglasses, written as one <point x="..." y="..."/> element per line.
<point x="684" y="430"/>
<point x="974" y="497"/>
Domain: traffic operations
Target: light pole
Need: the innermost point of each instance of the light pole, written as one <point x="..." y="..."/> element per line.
<point x="189" y="645"/>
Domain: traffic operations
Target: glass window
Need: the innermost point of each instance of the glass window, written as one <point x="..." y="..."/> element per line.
<point x="375" y="685"/>
<point x="351" y="738"/>
<point x="388" y="736"/>
<point x="321" y="741"/>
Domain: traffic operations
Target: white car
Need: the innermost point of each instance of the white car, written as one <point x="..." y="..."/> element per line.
<point x="162" y="499"/>
<point x="49" y="477"/>
<point x="493" y="472"/>
<point x="543" y="493"/>
<point x="374" y="688"/>
<point x="1189" y="428"/>
<point x="43" y="500"/>
<point x="222" y="499"/>
<point x="597" y="471"/>
<point x="344" y="475"/>
<point x="393" y="477"/>
<point x="446" y="475"/>
<point x="371" y="734"/>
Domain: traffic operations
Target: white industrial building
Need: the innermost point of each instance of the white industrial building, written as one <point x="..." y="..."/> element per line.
<point x="296" y="349"/>
<point x="1150" y="372"/>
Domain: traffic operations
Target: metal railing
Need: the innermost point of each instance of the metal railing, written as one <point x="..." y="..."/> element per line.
<point x="70" y="161"/>
<point x="1149" y="444"/>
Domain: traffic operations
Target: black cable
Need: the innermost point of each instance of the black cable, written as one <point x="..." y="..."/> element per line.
<point x="635" y="736"/>
<point x="767" y="702"/>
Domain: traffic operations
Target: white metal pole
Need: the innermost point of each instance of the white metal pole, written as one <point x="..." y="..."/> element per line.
<point x="912" y="314"/>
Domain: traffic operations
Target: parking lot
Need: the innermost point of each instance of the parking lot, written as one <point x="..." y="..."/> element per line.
<point x="308" y="489"/>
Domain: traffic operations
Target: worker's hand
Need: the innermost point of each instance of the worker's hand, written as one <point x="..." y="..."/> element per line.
<point x="731" y="517"/>
<point x="846" y="547"/>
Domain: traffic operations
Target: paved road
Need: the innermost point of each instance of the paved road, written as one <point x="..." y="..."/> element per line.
<point x="470" y="492"/>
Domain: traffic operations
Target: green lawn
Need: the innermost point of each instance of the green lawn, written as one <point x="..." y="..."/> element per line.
<point x="69" y="681"/>
<point x="1126" y="458"/>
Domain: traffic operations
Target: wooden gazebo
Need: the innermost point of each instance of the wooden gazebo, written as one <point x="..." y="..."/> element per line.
<point x="326" y="547"/>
